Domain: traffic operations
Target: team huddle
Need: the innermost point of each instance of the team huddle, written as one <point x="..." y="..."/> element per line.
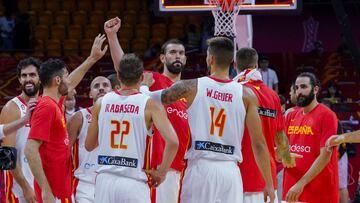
<point x="161" y="139"/>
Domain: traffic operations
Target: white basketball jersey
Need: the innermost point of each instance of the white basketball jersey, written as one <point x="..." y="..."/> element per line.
<point x="216" y="119"/>
<point x="123" y="136"/>
<point x="87" y="160"/>
<point x="21" y="139"/>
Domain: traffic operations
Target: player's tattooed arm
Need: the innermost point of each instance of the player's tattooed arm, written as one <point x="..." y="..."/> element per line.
<point x="182" y="89"/>
<point x="283" y="151"/>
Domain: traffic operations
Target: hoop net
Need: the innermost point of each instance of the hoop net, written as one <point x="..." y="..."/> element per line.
<point x="225" y="13"/>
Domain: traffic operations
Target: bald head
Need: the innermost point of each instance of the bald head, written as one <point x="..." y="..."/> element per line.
<point x="99" y="87"/>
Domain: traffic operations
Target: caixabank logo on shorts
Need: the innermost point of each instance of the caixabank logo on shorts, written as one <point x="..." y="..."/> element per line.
<point x="117" y="161"/>
<point x="214" y="147"/>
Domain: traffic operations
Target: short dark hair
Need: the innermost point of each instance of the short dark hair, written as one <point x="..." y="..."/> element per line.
<point x="314" y="81"/>
<point x="170" y="41"/>
<point x="131" y="69"/>
<point x="282" y="99"/>
<point x="113" y="80"/>
<point x="27" y="62"/>
<point x="51" y="68"/>
<point x="222" y="49"/>
<point x="246" y="57"/>
<point x="293" y="88"/>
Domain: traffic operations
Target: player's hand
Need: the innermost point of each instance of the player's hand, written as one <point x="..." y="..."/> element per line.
<point x="96" y="51"/>
<point x="148" y="79"/>
<point x="31" y="106"/>
<point x="290" y="161"/>
<point x="112" y="26"/>
<point x="269" y="194"/>
<point x="48" y="197"/>
<point x="156" y="177"/>
<point x="334" y="140"/>
<point x="294" y="192"/>
<point x="29" y="195"/>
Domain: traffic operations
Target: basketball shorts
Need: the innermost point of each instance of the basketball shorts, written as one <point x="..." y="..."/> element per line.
<point x="85" y="192"/>
<point x="113" y="189"/>
<point x="65" y="200"/>
<point x="168" y="191"/>
<point x="256" y="197"/>
<point x="211" y="181"/>
<point x="343" y="171"/>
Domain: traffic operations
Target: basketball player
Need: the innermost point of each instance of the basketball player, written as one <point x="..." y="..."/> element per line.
<point x="173" y="58"/>
<point x="115" y="84"/>
<point x="315" y="177"/>
<point x="15" y="125"/>
<point x="47" y="148"/>
<point x="122" y="120"/>
<point x="292" y="94"/>
<point x="77" y="127"/>
<point x="272" y="124"/>
<point x="19" y="182"/>
<point x="212" y="174"/>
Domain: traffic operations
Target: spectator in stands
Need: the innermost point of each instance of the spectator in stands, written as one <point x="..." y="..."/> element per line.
<point x="333" y="94"/>
<point x="152" y="52"/>
<point x="318" y="49"/>
<point x="7" y="25"/>
<point x="70" y="104"/>
<point x="193" y="38"/>
<point x="269" y="76"/>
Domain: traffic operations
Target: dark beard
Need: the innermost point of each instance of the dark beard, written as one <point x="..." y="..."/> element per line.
<point x="175" y="69"/>
<point x="63" y="89"/>
<point x="32" y="92"/>
<point x="305" y="101"/>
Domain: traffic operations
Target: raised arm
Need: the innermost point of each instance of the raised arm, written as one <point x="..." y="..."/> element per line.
<point x="111" y="28"/>
<point x="182" y="89"/>
<point x="156" y="112"/>
<point x="258" y="142"/>
<point x="96" y="54"/>
<point x="91" y="141"/>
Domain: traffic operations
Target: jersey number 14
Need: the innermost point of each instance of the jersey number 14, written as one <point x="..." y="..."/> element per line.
<point x="217" y="120"/>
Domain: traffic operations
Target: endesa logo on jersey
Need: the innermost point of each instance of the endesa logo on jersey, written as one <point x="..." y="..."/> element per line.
<point x="214" y="147"/>
<point x="300" y="130"/>
<point x="300" y="148"/>
<point x="117" y="161"/>
<point x="179" y="113"/>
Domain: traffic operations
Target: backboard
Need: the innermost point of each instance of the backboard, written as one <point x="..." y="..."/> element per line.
<point x="248" y="7"/>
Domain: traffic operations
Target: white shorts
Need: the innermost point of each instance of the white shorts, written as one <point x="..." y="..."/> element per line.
<point x="256" y="197"/>
<point x="280" y="177"/>
<point x="85" y="192"/>
<point x="343" y="171"/>
<point x="113" y="189"/>
<point x="213" y="181"/>
<point x="168" y="191"/>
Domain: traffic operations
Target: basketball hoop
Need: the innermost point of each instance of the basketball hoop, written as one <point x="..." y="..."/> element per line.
<point x="225" y="12"/>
